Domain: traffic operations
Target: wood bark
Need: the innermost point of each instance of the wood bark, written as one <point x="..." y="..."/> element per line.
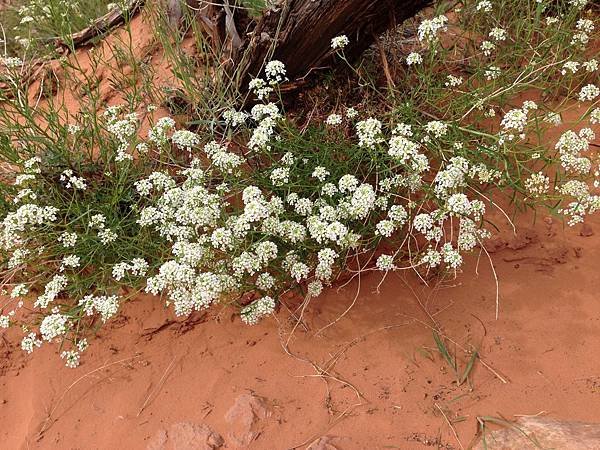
<point x="296" y="32"/>
<point x="102" y="25"/>
<point x="299" y="32"/>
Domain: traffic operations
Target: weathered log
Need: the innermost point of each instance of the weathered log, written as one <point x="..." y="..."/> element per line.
<point x="102" y="25"/>
<point x="299" y="32"/>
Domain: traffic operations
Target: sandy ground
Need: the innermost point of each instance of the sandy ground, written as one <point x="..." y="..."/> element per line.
<point x="374" y="379"/>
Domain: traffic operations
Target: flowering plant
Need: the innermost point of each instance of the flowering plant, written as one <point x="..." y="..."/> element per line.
<point x="94" y="210"/>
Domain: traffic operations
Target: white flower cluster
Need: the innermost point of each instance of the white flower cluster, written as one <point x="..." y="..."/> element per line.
<point x="185" y="139"/>
<point x="414" y="59"/>
<point x="428" y="29"/>
<point x="23" y="219"/>
<point x="67" y="239"/>
<point x="105" y="305"/>
<point x="30" y="342"/>
<point x="256" y="310"/>
<point x="158" y="134"/>
<point x="436" y="128"/>
<point x="71" y="358"/>
<point x="275" y="74"/>
<point x="53" y="325"/>
<point x="267" y="117"/>
<point x="369" y="132"/>
<point x="106" y="235"/>
<point x="11" y="62"/>
<point x="137" y="267"/>
<point x="589" y="93"/>
<point x="515" y="121"/>
<point x="339" y="42"/>
<point x="487" y="47"/>
<point x="584" y="28"/>
<point x="498" y="34"/>
<point x="235" y="118"/>
<point x="453" y="81"/>
<point x="72" y="181"/>
<point x="20" y="290"/>
<point x="492" y="73"/>
<point x="124" y="130"/>
<point x="484" y="5"/>
<point x="70" y="261"/>
<point x="570" y="146"/>
<point x="333" y="120"/>
<point x="54" y="287"/>
<point x="537" y="184"/>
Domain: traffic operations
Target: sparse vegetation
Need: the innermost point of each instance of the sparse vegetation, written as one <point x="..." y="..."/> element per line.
<point x="236" y="200"/>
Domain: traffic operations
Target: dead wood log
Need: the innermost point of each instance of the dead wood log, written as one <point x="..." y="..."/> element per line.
<point x="296" y="32"/>
<point x="101" y="25"/>
<point x="299" y="33"/>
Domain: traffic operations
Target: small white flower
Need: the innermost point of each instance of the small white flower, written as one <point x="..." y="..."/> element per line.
<point x="339" y="42"/>
<point x="351" y="113"/>
<point x="185" y="139"/>
<point x="591" y="65"/>
<point x="71" y="261"/>
<point x="320" y="173"/>
<point x="275" y="72"/>
<point x="315" y="288"/>
<point x="260" y="88"/>
<point x="428" y="29"/>
<point x="72" y="181"/>
<point x="53" y="325"/>
<point x="414" y="58"/>
<point x="71" y="358"/>
<point x="553" y="118"/>
<point x="369" y="132"/>
<point x="487" y="47"/>
<point x="19" y="290"/>
<point x="385" y="263"/>
<point x="595" y="116"/>
<point x="498" y="34"/>
<point x="537" y="184"/>
<point x="453" y="81"/>
<point x="589" y="93"/>
<point x="11" y="62"/>
<point x="29" y="342"/>
<point x="107" y="236"/>
<point x="333" y="120"/>
<point x="484" y="5"/>
<point x="571" y="66"/>
<point x="436" y="128"/>
<point x="256" y="310"/>
<point x="492" y="72"/>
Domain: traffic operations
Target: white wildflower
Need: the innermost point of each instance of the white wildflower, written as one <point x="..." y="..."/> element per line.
<point x="385" y="263"/>
<point x="339" y="42"/>
<point x="414" y="59"/>
<point x="589" y="93"/>
<point x="333" y="120"/>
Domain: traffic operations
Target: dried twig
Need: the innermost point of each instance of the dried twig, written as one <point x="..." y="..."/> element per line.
<point x="47" y="422"/>
<point x="161" y="382"/>
<point x="450" y="425"/>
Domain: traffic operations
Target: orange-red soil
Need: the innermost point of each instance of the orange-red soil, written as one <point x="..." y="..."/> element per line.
<point x="374" y="379"/>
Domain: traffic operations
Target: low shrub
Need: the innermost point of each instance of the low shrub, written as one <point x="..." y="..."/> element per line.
<point x="95" y="211"/>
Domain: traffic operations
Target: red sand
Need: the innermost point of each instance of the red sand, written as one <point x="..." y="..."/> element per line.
<point x="373" y="380"/>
